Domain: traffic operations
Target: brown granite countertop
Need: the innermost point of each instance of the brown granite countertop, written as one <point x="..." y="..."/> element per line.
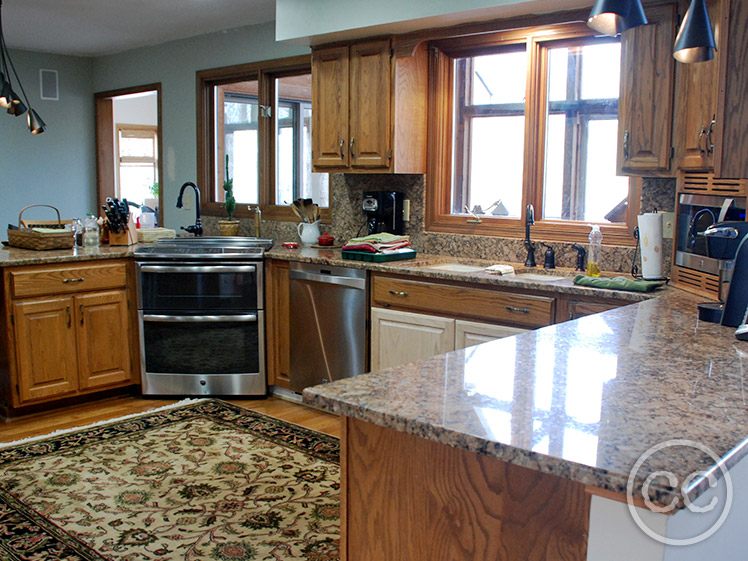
<point x="421" y="267"/>
<point x="13" y="256"/>
<point x="582" y="399"/>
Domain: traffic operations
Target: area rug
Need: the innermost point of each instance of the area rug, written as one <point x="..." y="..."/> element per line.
<point x="204" y="481"/>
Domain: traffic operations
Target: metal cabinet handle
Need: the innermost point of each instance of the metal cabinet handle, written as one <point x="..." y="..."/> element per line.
<point x="353" y="154"/>
<point x="73" y="280"/>
<point x="342" y="143"/>
<point x="626" y="145"/>
<point x="513" y="309"/>
<point x="398" y="293"/>
<point x="80" y="309"/>
<point x="709" y="141"/>
<point x="70" y="319"/>
<point x="701" y="137"/>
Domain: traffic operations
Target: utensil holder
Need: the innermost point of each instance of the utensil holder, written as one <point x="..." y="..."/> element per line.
<point x="122" y="238"/>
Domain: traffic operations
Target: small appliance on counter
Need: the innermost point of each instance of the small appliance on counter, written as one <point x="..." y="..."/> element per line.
<point x="384" y="211"/>
<point x="737" y="298"/>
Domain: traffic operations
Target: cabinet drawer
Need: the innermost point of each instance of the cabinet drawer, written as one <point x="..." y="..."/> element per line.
<point x="468" y="302"/>
<point x="66" y="279"/>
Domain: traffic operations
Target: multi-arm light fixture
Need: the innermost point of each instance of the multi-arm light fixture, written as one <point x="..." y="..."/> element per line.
<point x="695" y="40"/>
<point x="8" y="97"/>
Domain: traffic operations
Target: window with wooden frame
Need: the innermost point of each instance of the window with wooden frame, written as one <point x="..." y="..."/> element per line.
<point x="260" y="115"/>
<point x="137" y="162"/>
<point x="528" y="117"/>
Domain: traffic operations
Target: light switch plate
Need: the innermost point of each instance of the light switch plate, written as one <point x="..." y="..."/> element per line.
<point x="668" y="225"/>
<point x="187" y="201"/>
<point x="406" y="210"/>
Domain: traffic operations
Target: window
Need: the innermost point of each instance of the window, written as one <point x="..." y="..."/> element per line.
<point x="528" y="117"/>
<point x="137" y="162"/>
<point x="260" y="116"/>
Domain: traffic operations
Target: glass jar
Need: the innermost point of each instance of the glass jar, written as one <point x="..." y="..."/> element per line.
<point x="77" y="228"/>
<point x="91" y="231"/>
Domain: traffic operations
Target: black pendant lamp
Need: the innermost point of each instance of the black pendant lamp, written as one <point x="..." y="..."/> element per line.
<point x="612" y="17"/>
<point x="695" y="40"/>
<point x="9" y="99"/>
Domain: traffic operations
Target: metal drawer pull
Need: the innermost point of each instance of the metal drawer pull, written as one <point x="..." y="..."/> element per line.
<point x="513" y="309"/>
<point x="353" y="154"/>
<point x="626" y="145"/>
<point x="701" y="137"/>
<point x="67" y="309"/>
<point x="80" y="309"/>
<point x="398" y="293"/>
<point x="342" y="143"/>
<point x="73" y="280"/>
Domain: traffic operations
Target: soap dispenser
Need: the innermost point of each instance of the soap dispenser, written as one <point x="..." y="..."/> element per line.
<point x="593" y="257"/>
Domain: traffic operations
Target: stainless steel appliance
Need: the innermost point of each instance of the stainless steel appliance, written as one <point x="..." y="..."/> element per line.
<point x="696" y="213"/>
<point x="328" y="324"/>
<point x="200" y="305"/>
<point x="384" y="211"/>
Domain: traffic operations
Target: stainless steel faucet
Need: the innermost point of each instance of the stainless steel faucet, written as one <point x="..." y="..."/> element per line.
<point x="529" y="221"/>
<point x="197" y="227"/>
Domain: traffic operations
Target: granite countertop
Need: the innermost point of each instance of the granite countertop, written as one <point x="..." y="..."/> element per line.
<point x="13" y="256"/>
<point x="582" y="399"/>
<point x="420" y="267"/>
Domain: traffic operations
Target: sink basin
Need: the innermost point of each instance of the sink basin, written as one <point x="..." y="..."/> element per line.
<point x="454" y="268"/>
<point x="539" y="277"/>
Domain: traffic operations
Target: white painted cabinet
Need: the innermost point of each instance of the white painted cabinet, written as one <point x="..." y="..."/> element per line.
<point x="399" y="337"/>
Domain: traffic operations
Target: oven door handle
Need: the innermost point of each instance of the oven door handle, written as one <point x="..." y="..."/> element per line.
<point x="198" y="269"/>
<point x="201" y="319"/>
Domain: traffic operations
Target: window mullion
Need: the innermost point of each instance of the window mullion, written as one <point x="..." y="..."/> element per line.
<point x="535" y="128"/>
<point x="266" y="139"/>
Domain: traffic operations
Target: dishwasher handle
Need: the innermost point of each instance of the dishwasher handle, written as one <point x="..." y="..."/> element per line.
<point x="351" y="282"/>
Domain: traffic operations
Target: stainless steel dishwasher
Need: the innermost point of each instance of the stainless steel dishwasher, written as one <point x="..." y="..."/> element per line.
<point x="328" y="324"/>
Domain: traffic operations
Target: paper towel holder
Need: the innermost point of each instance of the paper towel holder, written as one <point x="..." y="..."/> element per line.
<point x="635" y="263"/>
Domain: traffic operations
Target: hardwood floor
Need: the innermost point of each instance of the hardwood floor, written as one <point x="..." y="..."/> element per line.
<point x="81" y="415"/>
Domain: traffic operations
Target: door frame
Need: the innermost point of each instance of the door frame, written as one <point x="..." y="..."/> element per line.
<point x="106" y="146"/>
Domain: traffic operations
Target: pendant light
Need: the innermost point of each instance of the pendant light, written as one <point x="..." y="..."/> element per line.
<point x="612" y="17"/>
<point x="695" y="40"/>
<point x="9" y="99"/>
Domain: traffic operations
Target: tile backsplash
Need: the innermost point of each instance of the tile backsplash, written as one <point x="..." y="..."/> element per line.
<point x="346" y="192"/>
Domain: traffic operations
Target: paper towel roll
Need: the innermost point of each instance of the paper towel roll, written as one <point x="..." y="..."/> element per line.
<point x="650" y="240"/>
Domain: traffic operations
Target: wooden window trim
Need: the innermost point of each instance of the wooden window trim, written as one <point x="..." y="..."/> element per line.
<point x="262" y="71"/>
<point x="152" y="133"/>
<point x="438" y="200"/>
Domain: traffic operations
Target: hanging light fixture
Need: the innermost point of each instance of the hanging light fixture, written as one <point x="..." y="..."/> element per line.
<point x="695" y="40"/>
<point x="9" y="99"/>
<point x="612" y="17"/>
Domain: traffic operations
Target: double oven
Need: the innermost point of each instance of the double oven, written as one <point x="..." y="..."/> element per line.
<point x="200" y="306"/>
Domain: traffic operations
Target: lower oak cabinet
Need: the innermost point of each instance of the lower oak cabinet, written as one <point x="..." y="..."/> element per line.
<point x="398" y="337"/>
<point x="71" y="331"/>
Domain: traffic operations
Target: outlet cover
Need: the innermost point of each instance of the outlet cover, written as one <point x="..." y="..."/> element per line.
<point x="668" y="225"/>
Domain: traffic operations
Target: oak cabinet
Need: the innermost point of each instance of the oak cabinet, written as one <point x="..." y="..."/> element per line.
<point x="469" y="333"/>
<point x="278" y="306"/>
<point x="70" y="331"/>
<point x="368" y="109"/>
<point x="645" y="108"/>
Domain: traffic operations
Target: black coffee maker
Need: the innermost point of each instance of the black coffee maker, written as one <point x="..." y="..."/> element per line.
<point x="384" y="211"/>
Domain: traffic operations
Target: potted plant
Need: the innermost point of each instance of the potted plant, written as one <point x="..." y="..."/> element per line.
<point x="229" y="227"/>
<point x="152" y="201"/>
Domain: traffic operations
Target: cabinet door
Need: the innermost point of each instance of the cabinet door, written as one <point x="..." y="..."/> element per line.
<point x="370" y="99"/>
<point x="330" y="108"/>
<point x="469" y="333"/>
<point x="45" y="348"/>
<point x="278" y="307"/>
<point x="103" y="344"/>
<point x="646" y="102"/>
<point x="400" y="337"/>
<point x="696" y="106"/>
<point x="581" y="308"/>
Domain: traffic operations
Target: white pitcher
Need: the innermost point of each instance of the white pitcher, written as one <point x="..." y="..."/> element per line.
<point x="308" y="232"/>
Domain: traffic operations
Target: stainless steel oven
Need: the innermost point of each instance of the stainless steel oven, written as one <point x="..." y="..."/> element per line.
<point x="201" y="319"/>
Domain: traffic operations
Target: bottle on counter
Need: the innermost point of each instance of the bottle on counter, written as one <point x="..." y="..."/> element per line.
<point x="593" y="257"/>
<point x="78" y="231"/>
<point x="91" y="231"/>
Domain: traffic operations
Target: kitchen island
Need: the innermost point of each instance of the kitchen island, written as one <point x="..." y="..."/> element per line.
<point x="522" y="448"/>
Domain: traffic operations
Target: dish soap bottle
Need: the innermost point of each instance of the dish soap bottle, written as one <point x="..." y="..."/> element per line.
<point x="593" y="258"/>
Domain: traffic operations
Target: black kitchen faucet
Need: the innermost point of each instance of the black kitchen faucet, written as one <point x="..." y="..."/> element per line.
<point x="197" y="227"/>
<point x="529" y="221"/>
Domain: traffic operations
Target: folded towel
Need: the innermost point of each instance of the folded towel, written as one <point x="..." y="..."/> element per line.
<point x="618" y="283"/>
<point x="500" y="269"/>
<point x="383" y="237"/>
<point x="376" y="243"/>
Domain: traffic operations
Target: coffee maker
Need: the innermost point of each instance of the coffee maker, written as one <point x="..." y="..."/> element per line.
<point x="384" y="211"/>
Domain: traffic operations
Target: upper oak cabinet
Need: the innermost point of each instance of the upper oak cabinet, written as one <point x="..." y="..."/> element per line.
<point x="368" y="109"/>
<point x="696" y="87"/>
<point x="646" y="101"/>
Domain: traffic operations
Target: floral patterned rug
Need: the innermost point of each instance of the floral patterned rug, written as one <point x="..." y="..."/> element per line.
<point x="204" y="481"/>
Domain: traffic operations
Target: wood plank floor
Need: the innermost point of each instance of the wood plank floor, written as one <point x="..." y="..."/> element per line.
<point x="81" y="415"/>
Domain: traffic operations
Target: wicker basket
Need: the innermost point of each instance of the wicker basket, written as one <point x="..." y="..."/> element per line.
<point x="29" y="239"/>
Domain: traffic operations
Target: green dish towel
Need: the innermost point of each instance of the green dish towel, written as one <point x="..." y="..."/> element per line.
<point x="618" y="283"/>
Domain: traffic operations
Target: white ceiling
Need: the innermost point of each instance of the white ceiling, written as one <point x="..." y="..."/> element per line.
<point x="97" y="27"/>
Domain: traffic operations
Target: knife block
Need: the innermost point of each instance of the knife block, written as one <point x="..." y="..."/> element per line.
<point x="122" y="238"/>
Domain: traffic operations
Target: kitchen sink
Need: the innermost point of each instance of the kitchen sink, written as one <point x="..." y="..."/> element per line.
<point x="539" y="277"/>
<point x="454" y="268"/>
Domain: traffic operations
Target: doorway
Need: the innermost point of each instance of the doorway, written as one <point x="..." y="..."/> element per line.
<point x="128" y="145"/>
